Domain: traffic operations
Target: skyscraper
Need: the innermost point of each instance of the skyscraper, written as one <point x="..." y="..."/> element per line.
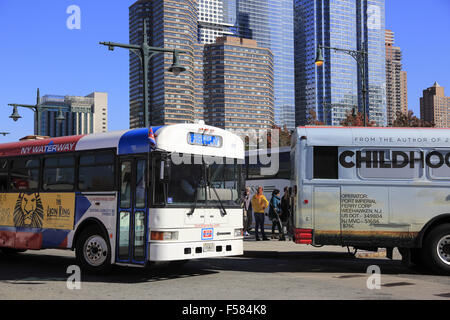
<point x="172" y="24"/>
<point x="216" y="18"/>
<point x="335" y="89"/>
<point x="435" y="106"/>
<point x="270" y="23"/>
<point x="396" y="80"/>
<point x="83" y="115"/>
<point x="238" y="84"/>
<point x="193" y="27"/>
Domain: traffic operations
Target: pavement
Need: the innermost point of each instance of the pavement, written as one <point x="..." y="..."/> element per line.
<point x="268" y="270"/>
<point x="283" y="249"/>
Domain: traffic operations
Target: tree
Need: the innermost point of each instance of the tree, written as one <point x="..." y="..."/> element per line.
<point x="409" y="120"/>
<point x="356" y="120"/>
<point x="284" y="137"/>
<point x="311" y="119"/>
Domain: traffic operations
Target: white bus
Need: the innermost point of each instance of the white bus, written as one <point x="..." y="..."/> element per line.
<point x="115" y="200"/>
<point x="373" y="188"/>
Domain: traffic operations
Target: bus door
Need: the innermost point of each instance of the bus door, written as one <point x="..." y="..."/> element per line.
<point x="132" y="223"/>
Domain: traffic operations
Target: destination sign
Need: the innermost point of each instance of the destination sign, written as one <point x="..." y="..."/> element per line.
<point x="205" y="140"/>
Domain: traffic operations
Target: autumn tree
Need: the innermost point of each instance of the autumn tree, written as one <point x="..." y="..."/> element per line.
<point x="284" y="137"/>
<point x="356" y="120"/>
<point x="409" y="120"/>
<point x="311" y="119"/>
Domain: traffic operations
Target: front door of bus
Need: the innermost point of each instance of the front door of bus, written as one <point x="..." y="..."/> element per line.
<point x="132" y="223"/>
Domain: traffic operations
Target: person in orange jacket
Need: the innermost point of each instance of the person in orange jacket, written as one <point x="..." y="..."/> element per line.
<point x="259" y="204"/>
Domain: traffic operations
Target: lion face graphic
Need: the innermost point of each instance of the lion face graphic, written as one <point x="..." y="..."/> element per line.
<point x="28" y="211"/>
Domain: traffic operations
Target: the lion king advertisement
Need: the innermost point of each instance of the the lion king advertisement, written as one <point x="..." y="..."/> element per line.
<point x="37" y="210"/>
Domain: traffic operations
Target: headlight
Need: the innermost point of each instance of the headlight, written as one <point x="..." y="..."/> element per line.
<point x="238" y="232"/>
<point x="166" y="235"/>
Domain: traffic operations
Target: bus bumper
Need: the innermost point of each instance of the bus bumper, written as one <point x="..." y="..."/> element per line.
<point x="169" y="251"/>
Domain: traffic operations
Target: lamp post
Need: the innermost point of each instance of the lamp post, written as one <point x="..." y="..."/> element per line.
<point x="37" y="108"/>
<point x="145" y="53"/>
<point x="361" y="58"/>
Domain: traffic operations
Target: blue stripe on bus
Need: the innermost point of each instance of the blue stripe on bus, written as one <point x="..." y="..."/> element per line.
<point x="53" y="238"/>
<point x="82" y="204"/>
<point x="135" y="141"/>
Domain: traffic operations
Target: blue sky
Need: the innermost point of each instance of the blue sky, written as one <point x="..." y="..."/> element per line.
<point x="38" y="50"/>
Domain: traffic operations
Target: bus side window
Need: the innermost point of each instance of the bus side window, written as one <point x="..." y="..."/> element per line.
<point x="96" y="172"/>
<point x="3" y="175"/>
<point x="24" y="174"/>
<point x="326" y="163"/>
<point x="59" y="173"/>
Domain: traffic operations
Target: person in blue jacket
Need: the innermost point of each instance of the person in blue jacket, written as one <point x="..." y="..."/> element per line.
<point x="275" y="212"/>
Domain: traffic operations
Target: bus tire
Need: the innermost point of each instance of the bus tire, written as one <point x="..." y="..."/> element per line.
<point x="436" y="250"/>
<point x="93" y="251"/>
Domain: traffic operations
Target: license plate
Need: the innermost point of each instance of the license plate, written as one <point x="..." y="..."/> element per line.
<point x="208" y="247"/>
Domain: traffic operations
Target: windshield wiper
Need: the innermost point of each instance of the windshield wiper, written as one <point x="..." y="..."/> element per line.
<point x="220" y="201"/>
<point x="191" y="212"/>
<point x="194" y="206"/>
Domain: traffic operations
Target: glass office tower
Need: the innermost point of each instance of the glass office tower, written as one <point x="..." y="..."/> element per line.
<point x="270" y="23"/>
<point x="334" y="89"/>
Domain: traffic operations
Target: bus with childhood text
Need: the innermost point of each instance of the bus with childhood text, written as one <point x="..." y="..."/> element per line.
<point x="164" y="194"/>
<point x="373" y="188"/>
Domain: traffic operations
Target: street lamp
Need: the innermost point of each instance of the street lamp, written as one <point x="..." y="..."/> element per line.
<point x="176" y="68"/>
<point x="37" y="108"/>
<point x="15" y="115"/>
<point x="361" y="57"/>
<point x="145" y="53"/>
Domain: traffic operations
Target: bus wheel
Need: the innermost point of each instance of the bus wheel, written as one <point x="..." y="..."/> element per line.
<point x="436" y="249"/>
<point x="93" y="251"/>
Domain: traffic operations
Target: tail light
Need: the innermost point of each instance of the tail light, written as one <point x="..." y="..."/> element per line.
<point x="303" y="236"/>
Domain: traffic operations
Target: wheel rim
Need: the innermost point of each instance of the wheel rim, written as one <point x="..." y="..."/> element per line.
<point x="443" y="249"/>
<point x="95" y="251"/>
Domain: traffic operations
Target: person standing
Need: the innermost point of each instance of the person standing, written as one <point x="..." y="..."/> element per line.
<point x="286" y="210"/>
<point x="247" y="207"/>
<point x="275" y="213"/>
<point x="259" y="205"/>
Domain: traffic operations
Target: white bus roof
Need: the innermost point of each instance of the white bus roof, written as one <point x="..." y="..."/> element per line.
<point x="170" y="138"/>
<point x="174" y="138"/>
<point x="374" y="137"/>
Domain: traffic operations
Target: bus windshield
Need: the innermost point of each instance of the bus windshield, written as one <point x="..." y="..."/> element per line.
<point x="190" y="180"/>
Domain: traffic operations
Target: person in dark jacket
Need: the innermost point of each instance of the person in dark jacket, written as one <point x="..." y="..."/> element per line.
<point x="275" y="212"/>
<point x="286" y="209"/>
<point x="247" y="206"/>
